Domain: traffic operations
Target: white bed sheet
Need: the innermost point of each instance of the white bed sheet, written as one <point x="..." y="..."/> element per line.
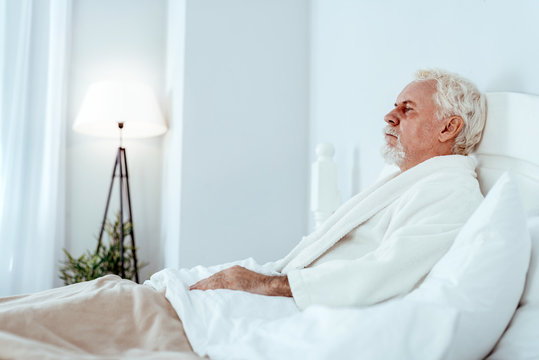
<point x="228" y="324"/>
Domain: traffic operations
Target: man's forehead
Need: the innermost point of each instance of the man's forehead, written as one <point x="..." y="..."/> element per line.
<point x="417" y="92"/>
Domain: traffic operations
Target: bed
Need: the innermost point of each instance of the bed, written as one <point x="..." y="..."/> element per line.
<point x="481" y="300"/>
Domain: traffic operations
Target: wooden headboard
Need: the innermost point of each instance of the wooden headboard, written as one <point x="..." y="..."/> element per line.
<point x="511" y="143"/>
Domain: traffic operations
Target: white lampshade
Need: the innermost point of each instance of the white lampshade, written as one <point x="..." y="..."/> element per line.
<point x="108" y="103"/>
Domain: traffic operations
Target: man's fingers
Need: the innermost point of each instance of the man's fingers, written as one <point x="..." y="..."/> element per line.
<point x="224" y="279"/>
<point x="210" y="283"/>
<point x="199" y="286"/>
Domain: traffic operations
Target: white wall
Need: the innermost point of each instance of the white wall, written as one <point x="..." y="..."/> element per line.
<point x="364" y="53"/>
<point x="245" y="124"/>
<point x="245" y="108"/>
<point x="115" y="40"/>
<point x="241" y="115"/>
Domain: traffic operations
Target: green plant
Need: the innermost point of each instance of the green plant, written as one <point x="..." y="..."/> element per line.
<point x="103" y="261"/>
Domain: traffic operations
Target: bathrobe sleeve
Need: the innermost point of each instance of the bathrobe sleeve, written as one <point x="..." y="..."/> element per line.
<point x="424" y="224"/>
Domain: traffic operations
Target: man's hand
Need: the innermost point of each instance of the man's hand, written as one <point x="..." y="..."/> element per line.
<point x="240" y="278"/>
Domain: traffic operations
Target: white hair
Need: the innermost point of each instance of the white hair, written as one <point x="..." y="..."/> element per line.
<point x="458" y="96"/>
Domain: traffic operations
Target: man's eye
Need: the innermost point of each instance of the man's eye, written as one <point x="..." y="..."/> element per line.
<point x="406" y="109"/>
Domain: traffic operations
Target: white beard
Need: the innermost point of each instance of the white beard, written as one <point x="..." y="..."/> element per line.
<point x="393" y="155"/>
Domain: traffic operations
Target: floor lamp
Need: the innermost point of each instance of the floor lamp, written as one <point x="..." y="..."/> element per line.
<point x="122" y="110"/>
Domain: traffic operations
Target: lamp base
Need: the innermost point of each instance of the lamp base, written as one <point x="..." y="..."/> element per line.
<point x="120" y="167"/>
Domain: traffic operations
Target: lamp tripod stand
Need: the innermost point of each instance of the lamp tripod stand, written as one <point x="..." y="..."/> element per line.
<point x="120" y="165"/>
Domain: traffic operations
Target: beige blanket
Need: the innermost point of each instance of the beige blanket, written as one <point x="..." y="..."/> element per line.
<point x="107" y="318"/>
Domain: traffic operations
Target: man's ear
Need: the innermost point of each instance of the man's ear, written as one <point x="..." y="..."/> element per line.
<point x="453" y="126"/>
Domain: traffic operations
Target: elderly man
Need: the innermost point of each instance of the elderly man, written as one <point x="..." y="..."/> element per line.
<point x="385" y="240"/>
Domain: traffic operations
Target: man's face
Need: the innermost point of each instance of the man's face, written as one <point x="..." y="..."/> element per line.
<point x="412" y="127"/>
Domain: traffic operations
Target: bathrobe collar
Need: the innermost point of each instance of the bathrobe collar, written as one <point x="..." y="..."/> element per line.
<point x="366" y="204"/>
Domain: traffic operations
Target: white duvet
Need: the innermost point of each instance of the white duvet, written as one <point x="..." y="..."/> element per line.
<point x="225" y="324"/>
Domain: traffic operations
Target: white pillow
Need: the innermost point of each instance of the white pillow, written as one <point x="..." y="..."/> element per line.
<point x="521" y="340"/>
<point x="531" y="293"/>
<point x="483" y="274"/>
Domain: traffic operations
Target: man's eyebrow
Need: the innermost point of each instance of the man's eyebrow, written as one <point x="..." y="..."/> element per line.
<point x="407" y="102"/>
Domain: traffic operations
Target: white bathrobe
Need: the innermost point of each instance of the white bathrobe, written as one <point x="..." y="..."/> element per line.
<point x="414" y="217"/>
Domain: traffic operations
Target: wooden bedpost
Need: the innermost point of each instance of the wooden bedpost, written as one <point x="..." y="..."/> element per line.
<point x="325" y="197"/>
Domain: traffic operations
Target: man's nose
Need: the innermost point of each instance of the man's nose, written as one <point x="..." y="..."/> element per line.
<point x="392" y="118"/>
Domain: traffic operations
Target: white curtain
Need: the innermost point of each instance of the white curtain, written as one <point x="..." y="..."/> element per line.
<point x="33" y="59"/>
<point x="171" y="193"/>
